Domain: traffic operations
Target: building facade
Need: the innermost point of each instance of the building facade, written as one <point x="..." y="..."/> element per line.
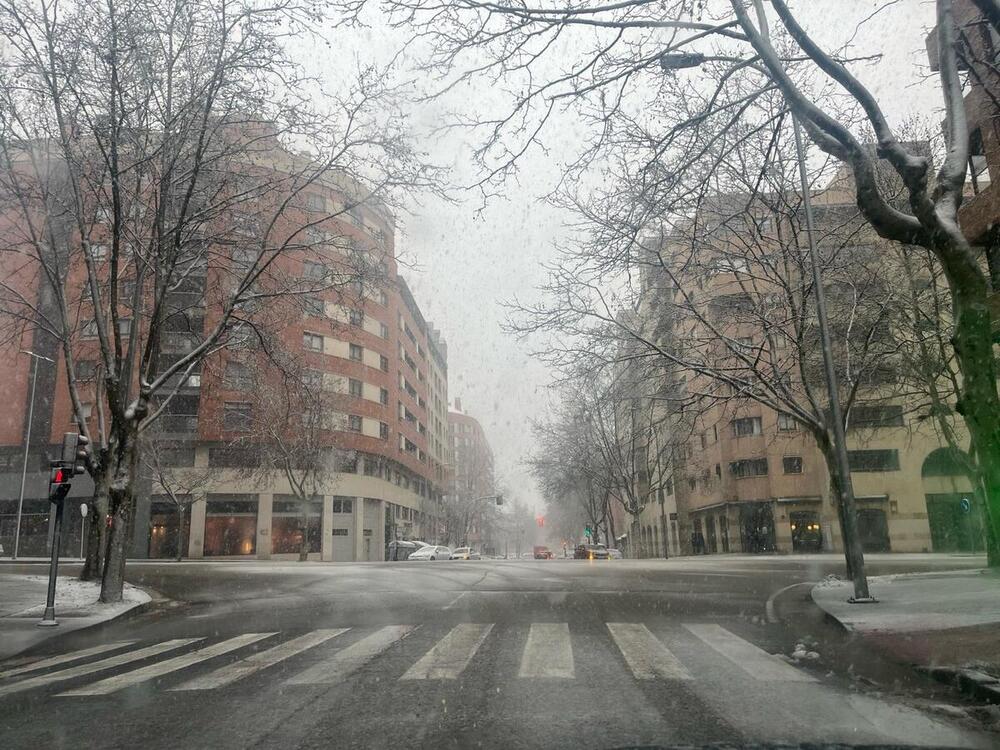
<point x="471" y="478"/>
<point x="357" y="333"/>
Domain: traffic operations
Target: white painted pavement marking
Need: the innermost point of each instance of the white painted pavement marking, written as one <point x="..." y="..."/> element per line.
<point x="128" y="679"/>
<point x="262" y="660"/>
<point x="645" y="654"/>
<point x="758" y="663"/>
<point x="63" y="658"/>
<point x="351" y="658"/>
<point x="450" y="655"/>
<point x="548" y="652"/>
<point x="96" y="666"/>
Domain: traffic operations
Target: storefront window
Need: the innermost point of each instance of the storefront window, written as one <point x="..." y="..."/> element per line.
<point x="288" y="525"/>
<point x="231" y="525"/>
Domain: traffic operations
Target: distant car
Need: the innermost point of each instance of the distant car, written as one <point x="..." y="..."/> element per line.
<point x="464" y="553"/>
<point x="615" y="554"/>
<point x="591" y="552"/>
<point x="527" y="555"/>
<point x="541" y="552"/>
<point x="431" y="552"/>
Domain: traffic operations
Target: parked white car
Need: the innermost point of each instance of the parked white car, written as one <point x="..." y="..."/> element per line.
<point x="614" y="554"/>
<point x="464" y="553"/>
<point x="431" y="552"/>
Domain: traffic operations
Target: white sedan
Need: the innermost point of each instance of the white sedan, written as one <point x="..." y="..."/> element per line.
<point x="431" y="552"/>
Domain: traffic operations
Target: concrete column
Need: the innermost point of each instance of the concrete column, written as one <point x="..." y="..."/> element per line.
<point x="196" y="539"/>
<point x="359" y="528"/>
<point x="326" y="545"/>
<point x="265" y="502"/>
<point x="379" y="532"/>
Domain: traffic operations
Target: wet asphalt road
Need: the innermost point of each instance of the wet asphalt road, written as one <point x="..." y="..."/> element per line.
<point x="496" y="654"/>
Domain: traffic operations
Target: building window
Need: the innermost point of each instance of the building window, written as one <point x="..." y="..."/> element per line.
<point x="237" y="376"/>
<point x="355" y="387"/>
<point x="236" y="415"/>
<point x="383" y="298"/>
<point x="86" y="409"/>
<point x="315" y="202"/>
<point x="383" y="430"/>
<point x="354" y="423"/>
<point x="876" y="416"/>
<point x="791" y="464"/>
<point x="342" y="504"/>
<point x="357" y="317"/>
<point x="874" y="460"/>
<point x="356" y="352"/>
<point x="312" y="342"/>
<point x="313" y="306"/>
<point x="383" y="363"/>
<point x="746" y="426"/>
<point x="383" y="396"/>
<point x="124" y="326"/>
<point x="86" y="370"/>
<point x="98" y="252"/>
<point x="312" y="378"/>
<point x="383" y="331"/>
<point x="787" y="423"/>
<point x="748" y="467"/>
<point x="978" y="167"/>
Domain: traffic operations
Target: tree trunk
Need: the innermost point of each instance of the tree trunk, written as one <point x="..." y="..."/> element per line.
<point x="979" y="404"/>
<point x="663" y="530"/>
<point x="304" y="547"/>
<point x="124" y="456"/>
<point x="180" y="532"/>
<point x="97" y="529"/>
<point x="827" y="450"/>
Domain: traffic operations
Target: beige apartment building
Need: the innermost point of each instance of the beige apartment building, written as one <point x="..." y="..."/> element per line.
<point x="747" y="475"/>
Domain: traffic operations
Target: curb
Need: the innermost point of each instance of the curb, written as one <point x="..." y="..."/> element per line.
<point x="971" y="682"/>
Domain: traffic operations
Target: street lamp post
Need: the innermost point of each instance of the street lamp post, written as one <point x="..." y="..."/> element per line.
<point x="27" y="446"/>
<point x="852" y="542"/>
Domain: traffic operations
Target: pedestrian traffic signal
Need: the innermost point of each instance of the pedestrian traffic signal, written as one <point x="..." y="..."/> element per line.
<point x="59" y="483"/>
<point x="74" y="452"/>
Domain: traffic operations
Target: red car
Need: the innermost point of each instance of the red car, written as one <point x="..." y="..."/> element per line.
<point x="543" y="553"/>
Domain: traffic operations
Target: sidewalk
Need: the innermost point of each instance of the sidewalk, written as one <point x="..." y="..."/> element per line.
<point x="22" y="603"/>
<point x="945" y="623"/>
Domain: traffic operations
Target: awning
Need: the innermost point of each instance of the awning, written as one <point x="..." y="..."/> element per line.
<point x="808" y="499"/>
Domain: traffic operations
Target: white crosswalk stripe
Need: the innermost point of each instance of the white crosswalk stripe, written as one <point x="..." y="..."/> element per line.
<point x="548" y="652"/>
<point x="757" y="662"/>
<point x="53" y="661"/>
<point x="351" y="658"/>
<point x="230" y="673"/>
<point x="98" y="666"/>
<point x="450" y="656"/>
<point x="127" y="679"/>
<point x="645" y="654"/>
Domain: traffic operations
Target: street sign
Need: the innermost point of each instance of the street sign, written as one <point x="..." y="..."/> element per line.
<point x="965" y="505"/>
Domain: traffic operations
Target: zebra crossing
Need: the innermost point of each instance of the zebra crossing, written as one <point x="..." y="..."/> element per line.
<point x="333" y="655"/>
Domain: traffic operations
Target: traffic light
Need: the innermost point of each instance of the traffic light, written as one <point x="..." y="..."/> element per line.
<point x="59" y="483"/>
<point x="540" y="520"/>
<point x="74" y="452"/>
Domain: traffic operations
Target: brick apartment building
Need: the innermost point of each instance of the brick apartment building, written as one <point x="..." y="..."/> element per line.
<point x="368" y="342"/>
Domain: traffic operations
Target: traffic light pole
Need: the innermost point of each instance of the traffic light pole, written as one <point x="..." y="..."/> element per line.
<point x="49" y="618"/>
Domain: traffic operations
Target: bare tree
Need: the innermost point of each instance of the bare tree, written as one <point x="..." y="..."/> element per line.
<point x="181" y="485"/>
<point x="157" y="166"/>
<point x="606" y="63"/>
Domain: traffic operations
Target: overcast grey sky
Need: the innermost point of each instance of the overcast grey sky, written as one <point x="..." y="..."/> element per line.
<point x="468" y="262"/>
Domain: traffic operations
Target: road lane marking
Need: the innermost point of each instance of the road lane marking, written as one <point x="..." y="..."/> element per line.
<point x="96" y="666"/>
<point x="136" y="676"/>
<point x="760" y="664"/>
<point x="645" y="654"/>
<point x="548" y="652"/>
<point x="450" y="655"/>
<point x="230" y="673"/>
<point x="455" y="601"/>
<point x="351" y="658"/>
<point x="63" y="658"/>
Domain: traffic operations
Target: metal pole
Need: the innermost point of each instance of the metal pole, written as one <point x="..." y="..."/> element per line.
<point x="852" y="547"/>
<point x="49" y="618"/>
<point x="27" y="446"/>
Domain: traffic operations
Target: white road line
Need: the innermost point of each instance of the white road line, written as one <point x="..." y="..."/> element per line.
<point x="758" y="663"/>
<point x="230" y="673"/>
<point x="352" y="658"/>
<point x="645" y="654"/>
<point x="97" y="666"/>
<point x="450" y="655"/>
<point x="454" y="601"/>
<point x="128" y="679"/>
<point x="63" y="658"/>
<point x="548" y="652"/>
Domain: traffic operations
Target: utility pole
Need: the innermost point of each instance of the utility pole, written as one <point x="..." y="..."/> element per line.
<point x="27" y="446"/>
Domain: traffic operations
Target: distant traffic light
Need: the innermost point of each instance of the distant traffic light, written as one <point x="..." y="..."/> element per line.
<point x="540" y="520"/>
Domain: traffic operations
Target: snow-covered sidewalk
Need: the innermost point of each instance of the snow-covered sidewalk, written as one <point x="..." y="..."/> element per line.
<point x="22" y="603"/>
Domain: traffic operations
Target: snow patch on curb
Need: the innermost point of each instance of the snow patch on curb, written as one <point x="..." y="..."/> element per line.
<point x="80" y="598"/>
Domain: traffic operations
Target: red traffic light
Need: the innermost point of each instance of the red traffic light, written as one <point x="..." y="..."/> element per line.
<point x="59" y="475"/>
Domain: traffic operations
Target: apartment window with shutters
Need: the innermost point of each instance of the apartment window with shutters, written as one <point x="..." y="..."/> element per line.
<point x="354" y="423"/>
<point x="791" y="464"/>
<point x="355" y="387"/>
<point x="748" y="467"/>
<point x="312" y="342"/>
<point x="746" y="426"/>
<point x="236" y="415"/>
<point x="787" y="423"/>
<point x="356" y="352"/>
